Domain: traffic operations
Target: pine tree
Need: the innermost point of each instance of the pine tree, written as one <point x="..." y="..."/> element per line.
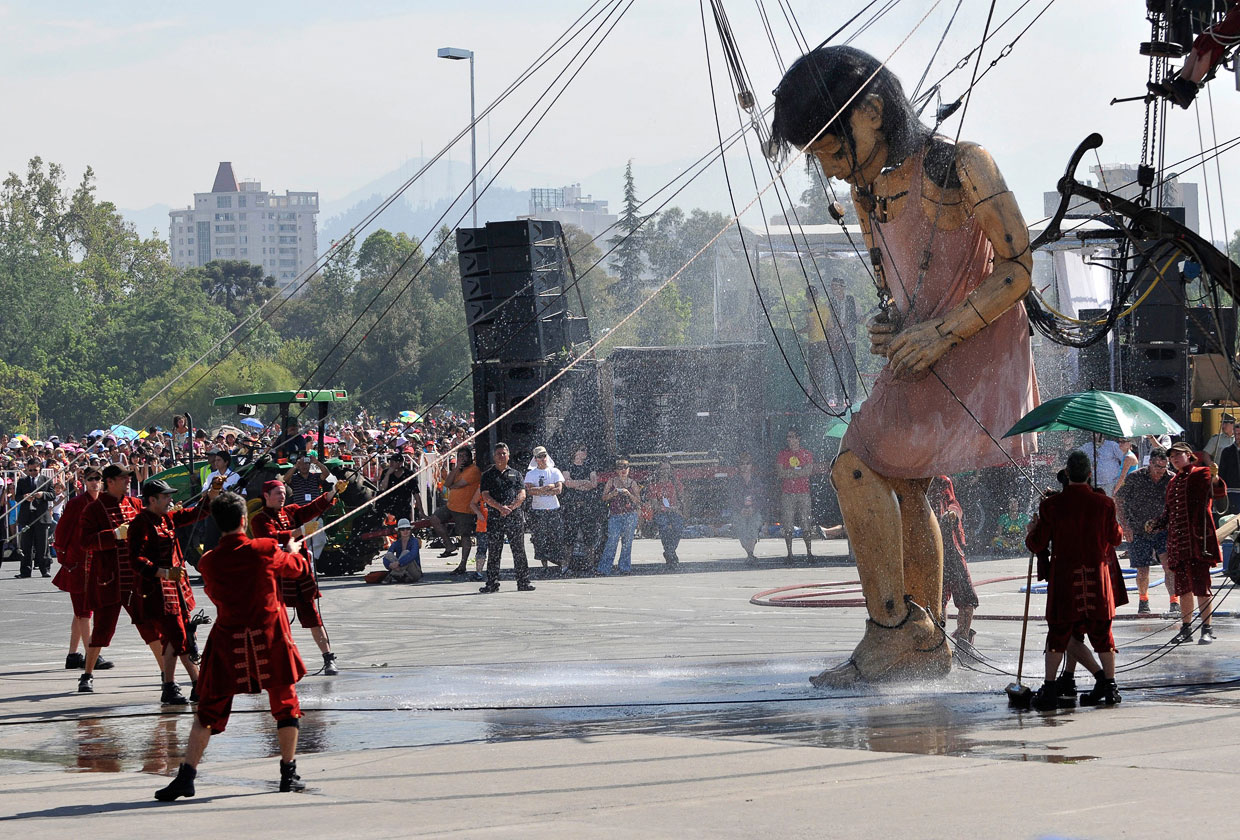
<point x="628" y="258"/>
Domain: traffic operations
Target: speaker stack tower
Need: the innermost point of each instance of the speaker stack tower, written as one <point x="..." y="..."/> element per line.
<point x="1155" y="360"/>
<point x="515" y="287"/>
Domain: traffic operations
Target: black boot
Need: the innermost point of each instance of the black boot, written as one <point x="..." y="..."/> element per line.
<point x="1046" y="698"/>
<point x="329" y="664"/>
<point x="1065" y="683"/>
<point x="182" y="785"/>
<point x="290" y="782"/>
<point x="76" y="662"/>
<point x="1104" y="693"/>
<point x="193" y="691"/>
<point x="172" y="696"/>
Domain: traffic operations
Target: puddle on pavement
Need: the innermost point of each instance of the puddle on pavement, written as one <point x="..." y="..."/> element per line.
<point x="767" y="700"/>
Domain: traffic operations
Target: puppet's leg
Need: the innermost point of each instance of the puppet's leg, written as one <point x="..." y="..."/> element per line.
<point x="923" y="546"/>
<point x="901" y="639"/>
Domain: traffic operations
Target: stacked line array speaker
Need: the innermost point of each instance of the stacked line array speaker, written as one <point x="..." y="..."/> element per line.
<point x="688" y="399"/>
<point x="513" y="286"/>
<point x="1159" y="373"/>
<point x="566" y="413"/>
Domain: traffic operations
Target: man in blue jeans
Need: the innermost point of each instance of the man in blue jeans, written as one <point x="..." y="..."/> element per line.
<point x="622" y="495"/>
<point x="667" y="498"/>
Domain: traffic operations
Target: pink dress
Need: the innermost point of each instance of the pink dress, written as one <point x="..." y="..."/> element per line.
<point x="916" y="429"/>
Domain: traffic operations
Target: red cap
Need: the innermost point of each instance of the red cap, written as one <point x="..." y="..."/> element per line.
<point x="268" y="486"/>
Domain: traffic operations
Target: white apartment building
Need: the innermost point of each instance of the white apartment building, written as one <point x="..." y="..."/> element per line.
<point x="568" y="206"/>
<point x="242" y="222"/>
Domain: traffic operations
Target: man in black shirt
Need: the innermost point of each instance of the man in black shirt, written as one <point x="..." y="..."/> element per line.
<point x="503" y="490"/>
<point x="34" y="518"/>
<point x="293" y="445"/>
<point x="403" y="502"/>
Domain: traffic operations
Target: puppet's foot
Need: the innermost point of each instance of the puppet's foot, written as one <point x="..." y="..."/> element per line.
<point x="915" y="649"/>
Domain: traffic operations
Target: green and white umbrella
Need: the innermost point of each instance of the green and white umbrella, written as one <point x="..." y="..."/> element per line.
<point x="1106" y="413"/>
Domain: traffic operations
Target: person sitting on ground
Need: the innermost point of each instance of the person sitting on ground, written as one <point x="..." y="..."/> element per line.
<point x="403" y="559"/>
<point x="666" y="495"/>
<point x="1012" y="526"/>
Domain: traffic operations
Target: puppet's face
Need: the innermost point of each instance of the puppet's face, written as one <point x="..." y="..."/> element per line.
<point x="860" y="163"/>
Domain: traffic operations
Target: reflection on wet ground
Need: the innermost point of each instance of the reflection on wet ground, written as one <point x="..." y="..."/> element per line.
<point x="767" y="700"/>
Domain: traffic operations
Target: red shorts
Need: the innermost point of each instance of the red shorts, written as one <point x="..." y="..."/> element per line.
<point x="308" y="613"/>
<point x="1099" y="632"/>
<point x="104" y="626"/>
<point x="213" y="711"/>
<point x="80" y="608"/>
<point x="1192" y="579"/>
<point x="148" y="630"/>
<point x="172" y="631"/>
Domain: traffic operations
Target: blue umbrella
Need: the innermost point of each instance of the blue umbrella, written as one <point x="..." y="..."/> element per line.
<point x="252" y="423"/>
<point x="123" y="433"/>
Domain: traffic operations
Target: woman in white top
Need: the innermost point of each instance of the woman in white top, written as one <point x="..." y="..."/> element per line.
<point x="543" y="485"/>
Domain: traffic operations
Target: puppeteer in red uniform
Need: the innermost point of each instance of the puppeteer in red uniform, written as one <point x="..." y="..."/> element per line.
<point x="250" y="648"/>
<point x="153" y="546"/>
<point x="162" y="594"/>
<point x="71" y="576"/>
<point x="109" y="578"/>
<point x="1192" y="542"/>
<point x="279" y="522"/>
<point x="1079" y="528"/>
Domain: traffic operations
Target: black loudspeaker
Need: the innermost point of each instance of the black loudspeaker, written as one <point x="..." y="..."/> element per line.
<point x="500" y="286"/>
<point x="564" y="413"/>
<point x="1093" y="363"/>
<point x="518" y="258"/>
<point x="517" y="233"/>
<point x="688" y="399"/>
<point x="1203" y="330"/>
<point x="1159" y="373"/>
<point x="518" y="310"/>
<point x="1157" y="323"/>
<point x="513" y="284"/>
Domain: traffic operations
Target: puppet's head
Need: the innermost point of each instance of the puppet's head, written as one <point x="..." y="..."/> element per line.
<point x="879" y="120"/>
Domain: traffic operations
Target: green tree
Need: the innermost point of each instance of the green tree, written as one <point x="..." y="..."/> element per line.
<point x="628" y="258"/>
<point x="675" y="245"/>
<point x="19" y="398"/>
<point x="147" y="334"/>
<point x="240" y="373"/>
<point x="596" y="286"/>
<point x="236" y="285"/>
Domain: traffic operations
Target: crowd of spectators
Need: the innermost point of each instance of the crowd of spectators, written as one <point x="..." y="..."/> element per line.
<point x="375" y="450"/>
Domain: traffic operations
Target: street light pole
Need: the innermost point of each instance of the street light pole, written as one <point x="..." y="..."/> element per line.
<point x="456" y="54"/>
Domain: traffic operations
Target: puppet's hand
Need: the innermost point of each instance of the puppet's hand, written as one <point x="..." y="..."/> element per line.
<point x="882" y="331"/>
<point x="914" y="350"/>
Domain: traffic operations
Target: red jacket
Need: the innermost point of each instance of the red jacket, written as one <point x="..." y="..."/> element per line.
<point x="153" y="546"/>
<point x="942" y="497"/>
<point x="1080" y="528"/>
<point x="250" y="647"/>
<point x="71" y="576"/>
<point x="1188" y="518"/>
<point x="109" y="577"/>
<point x="278" y="525"/>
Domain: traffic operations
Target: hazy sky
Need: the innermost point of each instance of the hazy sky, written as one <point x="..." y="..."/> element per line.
<point x="327" y="96"/>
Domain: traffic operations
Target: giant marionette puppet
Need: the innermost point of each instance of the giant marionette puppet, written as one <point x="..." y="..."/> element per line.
<point x="952" y="262"/>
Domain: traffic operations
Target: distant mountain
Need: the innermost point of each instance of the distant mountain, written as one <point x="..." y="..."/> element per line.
<point x="435" y="190"/>
<point x="153" y="219"/>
